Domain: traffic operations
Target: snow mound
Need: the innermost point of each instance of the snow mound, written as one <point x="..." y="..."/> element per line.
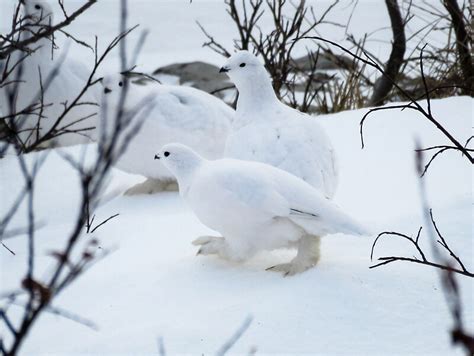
<point x="153" y="284"/>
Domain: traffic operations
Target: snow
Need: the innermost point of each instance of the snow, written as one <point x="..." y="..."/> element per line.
<point x="154" y="286"/>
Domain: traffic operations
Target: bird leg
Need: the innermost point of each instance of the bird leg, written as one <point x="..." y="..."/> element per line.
<point x="151" y="186"/>
<point x="171" y="187"/>
<point x="217" y="245"/>
<point x="210" y="245"/>
<point x="307" y="256"/>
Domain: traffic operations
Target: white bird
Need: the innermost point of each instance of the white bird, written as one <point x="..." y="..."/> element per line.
<point x="177" y="114"/>
<point x="268" y="131"/>
<point x="255" y="207"/>
<point x="77" y="126"/>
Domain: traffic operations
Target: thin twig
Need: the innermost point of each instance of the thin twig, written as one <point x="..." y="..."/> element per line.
<point x="235" y="337"/>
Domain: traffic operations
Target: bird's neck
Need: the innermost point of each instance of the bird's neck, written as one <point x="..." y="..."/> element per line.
<point x="185" y="175"/>
<point x="184" y="184"/>
<point x="256" y="93"/>
<point x="42" y="47"/>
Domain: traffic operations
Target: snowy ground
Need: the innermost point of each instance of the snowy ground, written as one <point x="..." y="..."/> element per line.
<point x="154" y="286"/>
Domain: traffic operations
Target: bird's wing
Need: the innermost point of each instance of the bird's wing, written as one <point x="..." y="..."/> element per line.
<point x="303" y="214"/>
<point x="311" y="210"/>
<point x="249" y="190"/>
<point x="191" y="109"/>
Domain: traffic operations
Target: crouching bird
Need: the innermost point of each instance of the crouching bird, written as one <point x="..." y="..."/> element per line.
<point x="255" y="207"/>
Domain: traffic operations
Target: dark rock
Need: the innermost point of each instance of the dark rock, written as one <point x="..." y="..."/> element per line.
<point x="200" y="75"/>
<point x="206" y="77"/>
<point x="326" y="61"/>
<point x="318" y="80"/>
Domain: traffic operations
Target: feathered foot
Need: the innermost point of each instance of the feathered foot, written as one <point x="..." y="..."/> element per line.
<point x="151" y="186"/>
<point x="171" y="187"/>
<point x="210" y="245"/>
<point x="307" y="256"/>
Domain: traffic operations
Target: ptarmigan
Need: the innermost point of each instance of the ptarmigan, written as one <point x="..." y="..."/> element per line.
<point x="268" y="131"/>
<point x="255" y="207"/>
<point x="78" y="125"/>
<point x="178" y="114"/>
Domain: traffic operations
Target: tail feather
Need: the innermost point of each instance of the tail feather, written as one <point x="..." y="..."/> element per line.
<point x="331" y="222"/>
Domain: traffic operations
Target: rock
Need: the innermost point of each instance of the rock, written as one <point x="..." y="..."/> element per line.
<point x="140" y="79"/>
<point x="316" y="84"/>
<point x="206" y="76"/>
<point x="200" y="75"/>
<point x="326" y="61"/>
<point x="416" y="88"/>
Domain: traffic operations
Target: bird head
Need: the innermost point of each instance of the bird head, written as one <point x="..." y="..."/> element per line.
<point x="242" y="67"/>
<point x="113" y="83"/>
<point x="178" y="158"/>
<point x="38" y="12"/>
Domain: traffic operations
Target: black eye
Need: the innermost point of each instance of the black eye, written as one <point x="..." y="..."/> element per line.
<point x="242" y="65"/>
<point x="166" y="153"/>
<point x="37" y="7"/>
<point x="120" y="84"/>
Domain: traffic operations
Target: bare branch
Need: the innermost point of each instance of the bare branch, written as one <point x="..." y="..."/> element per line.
<point x="237" y="335"/>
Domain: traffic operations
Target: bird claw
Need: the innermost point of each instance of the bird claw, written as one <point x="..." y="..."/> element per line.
<point x="202" y="240"/>
<point x="210" y="245"/>
<point x="274" y="269"/>
<point x="289" y="269"/>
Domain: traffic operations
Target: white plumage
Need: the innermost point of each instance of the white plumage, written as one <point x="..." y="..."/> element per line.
<point x="268" y="131"/>
<point x="71" y="77"/>
<point x="255" y="207"/>
<point x="178" y="114"/>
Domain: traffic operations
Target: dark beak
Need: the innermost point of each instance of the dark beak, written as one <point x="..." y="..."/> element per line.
<point x="157" y="156"/>
<point x="107" y="90"/>
<point x="224" y="70"/>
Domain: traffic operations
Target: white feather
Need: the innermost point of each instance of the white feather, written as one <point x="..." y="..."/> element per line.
<point x="268" y="131"/>
<point x="178" y="114"/>
<point x="255" y="206"/>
